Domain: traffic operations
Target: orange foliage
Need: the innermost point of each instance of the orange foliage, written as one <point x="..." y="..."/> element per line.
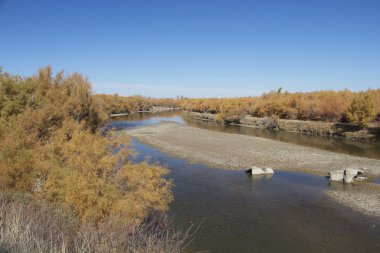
<point x="118" y="104"/>
<point x="52" y="146"/>
<point x="321" y="105"/>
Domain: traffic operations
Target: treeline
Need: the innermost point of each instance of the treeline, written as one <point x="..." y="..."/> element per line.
<point x="54" y="150"/>
<point x="342" y="106"/>
<point x="114" y="104"/>
<point x="359" y="108"/>
<point x="332" y="106"/>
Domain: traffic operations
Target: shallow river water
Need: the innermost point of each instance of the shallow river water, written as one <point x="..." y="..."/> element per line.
<point x="240" y="213"/>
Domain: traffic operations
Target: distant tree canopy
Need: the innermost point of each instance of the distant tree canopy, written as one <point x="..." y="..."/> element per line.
<point x="52" y="146"/>
<point x="331" y="106"/>
<point x="118" y="104"/>
<point x="356" y="107"/>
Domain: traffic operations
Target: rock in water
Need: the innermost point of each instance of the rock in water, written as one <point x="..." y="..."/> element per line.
<point x="268" y="171"/>
<point x="351" y="174"/>
<point x="347" y="176"/>
<point x="336" y="175"/>
<point x="259" y="171"/>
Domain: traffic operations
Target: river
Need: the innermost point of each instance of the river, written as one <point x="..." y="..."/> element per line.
<point x="287" y="212"/>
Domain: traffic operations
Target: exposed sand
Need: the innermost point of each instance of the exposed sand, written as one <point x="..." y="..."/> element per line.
<point x="234" y="151"/>
<point x="364" y="198"/>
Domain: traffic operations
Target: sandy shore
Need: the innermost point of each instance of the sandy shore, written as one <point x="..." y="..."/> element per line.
<point x="364" y="198"/>
<point x="234" y="151"/>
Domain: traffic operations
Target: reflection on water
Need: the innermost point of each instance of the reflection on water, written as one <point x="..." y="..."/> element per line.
<point x="260" y="177"/>
<point x="240" y="213"/>
<point x="144" y="119"/>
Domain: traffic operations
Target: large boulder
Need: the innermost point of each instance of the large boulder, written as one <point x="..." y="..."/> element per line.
<point x="336" y="175"/>
<point x="256" y="171"/>
<point x="347" y="176"/>
<point x="351" y="174"/>
<point x="260" y="171"/>
<point x="268" y="171"/>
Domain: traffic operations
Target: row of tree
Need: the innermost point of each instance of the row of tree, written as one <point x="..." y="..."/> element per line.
<point x="114" y="104"/>
<point x="342" y="106"/>
<point x="333" y="106"/>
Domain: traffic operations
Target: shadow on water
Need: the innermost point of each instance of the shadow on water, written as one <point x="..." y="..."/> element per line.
<point x="287" y="212"/>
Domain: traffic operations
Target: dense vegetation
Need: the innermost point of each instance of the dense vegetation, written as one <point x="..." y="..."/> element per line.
<point x="53" y="149"/>
<point x="359" y="108"/>
<point x="114" y="104"/>
<point x="332" y="106"/>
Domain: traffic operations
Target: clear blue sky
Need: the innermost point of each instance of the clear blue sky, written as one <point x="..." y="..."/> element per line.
<point x="197" y="48"/>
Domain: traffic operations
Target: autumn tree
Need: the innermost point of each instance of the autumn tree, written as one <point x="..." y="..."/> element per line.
<point x="53" y="146"/>
<point x="331" y="106"/>
<point x="361" y="110"/>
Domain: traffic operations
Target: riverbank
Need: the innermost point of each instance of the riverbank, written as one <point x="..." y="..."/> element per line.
<point x="338" y="130"/>
<point x="363" y="197"/>
<point x="239" y="152"/>
<point x="233" y="151"/>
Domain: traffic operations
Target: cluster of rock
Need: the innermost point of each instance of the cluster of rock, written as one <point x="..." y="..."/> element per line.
<point x="260" y="171"/>
<point x="347" y="176"/>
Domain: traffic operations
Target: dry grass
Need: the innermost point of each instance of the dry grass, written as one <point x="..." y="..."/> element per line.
<point x="29" y="228"/>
